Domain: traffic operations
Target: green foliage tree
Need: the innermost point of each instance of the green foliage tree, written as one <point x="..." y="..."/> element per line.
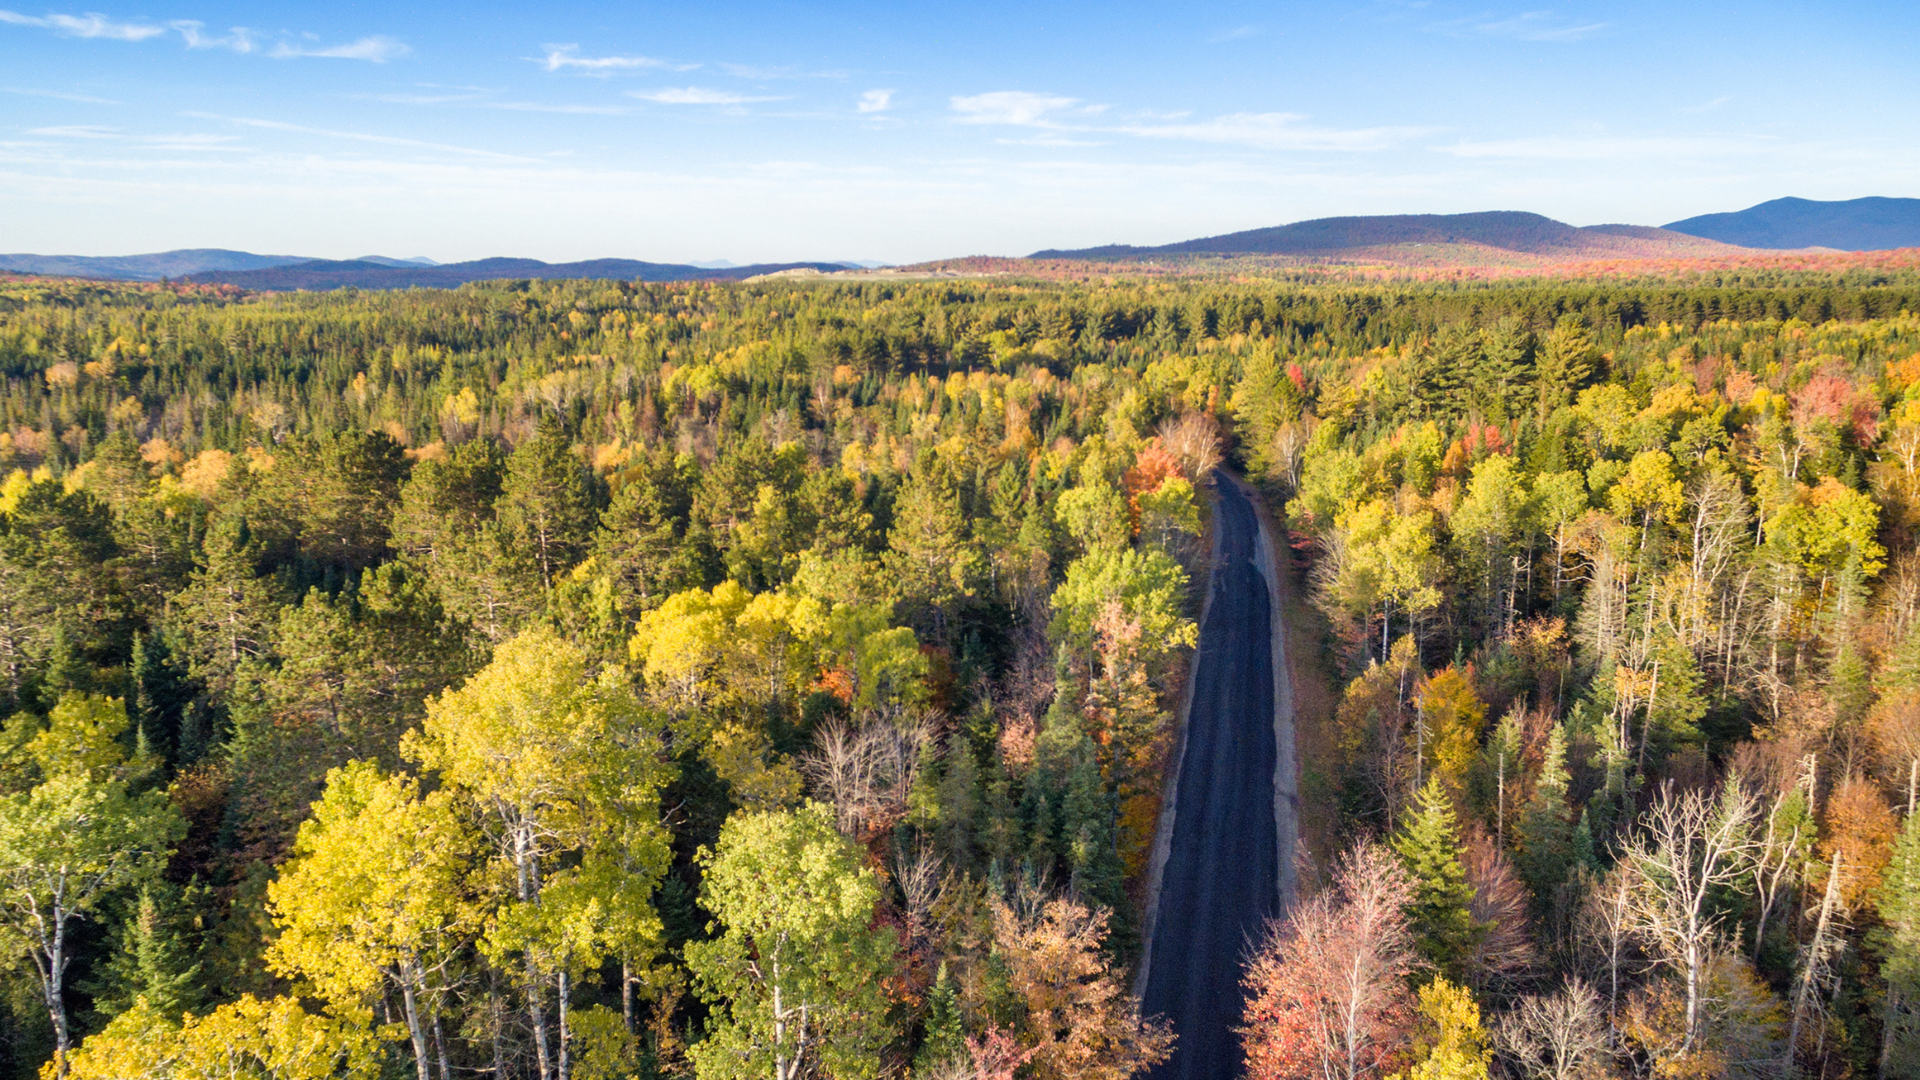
<point x="1429" y="845"/>
<point x="796" y="976"/>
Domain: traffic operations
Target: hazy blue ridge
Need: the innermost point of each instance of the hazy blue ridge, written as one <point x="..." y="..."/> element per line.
<point x="1870" y="224"/>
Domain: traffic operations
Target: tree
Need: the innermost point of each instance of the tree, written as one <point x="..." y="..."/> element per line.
<point x="1080" y="1023"/>
<point x="1690" y="846"/>
<point x="1555" y="1036"/>
<point x="1326" y="989"/>
<point x="1150" y="588"/>
<point x="1898" y="941"/>
<point x="548" y="503"/>
<point x="537" y="745"/>
<point x="933" y="560"/>
<point x="1439" y="912"/>
<point x="153" y="961"/>
<point x="267" y="1040"/>
<point x="1449" y="1042"/>
<point x="1565" y="363"/>
<point x="73" y="839"/>
<point x="374" y="899"/>
<point x="795" y="977"/>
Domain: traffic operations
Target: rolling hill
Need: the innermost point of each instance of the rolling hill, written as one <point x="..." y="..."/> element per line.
<point x="319" y="274"/>
<point x="1870" y="224"/>
<point x="153" y="267"/>
<point x="1422" y="237"/>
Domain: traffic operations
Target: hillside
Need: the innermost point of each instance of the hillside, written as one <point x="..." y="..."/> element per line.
<point x="1468" y="238"/>
<point x="1870" y="224"/>
<point x="151" y="267"/>
<point x="318" y="274"/>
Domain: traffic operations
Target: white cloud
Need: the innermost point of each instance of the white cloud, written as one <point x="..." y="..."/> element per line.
<point x="874" y="101"/>
<point x="695" y="95"/>
<point x="563" y="57"/>
<point x="90" y="25"/>
<point x="375" y="48"/>
<point x="239" y="38"/>
<point x="1234" y="34"/>
<point x="1276" y="131"/>
<point x="1011" y="107"/>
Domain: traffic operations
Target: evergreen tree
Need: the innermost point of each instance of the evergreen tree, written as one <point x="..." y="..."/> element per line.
<point x="154" y="959"/>
<point x="1545" y="835"/>
<point x="549" y="502"/>
<point x="946" y="1033"/>
<point x="1430" y="846"/>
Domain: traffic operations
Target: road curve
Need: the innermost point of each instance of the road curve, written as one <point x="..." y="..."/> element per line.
<point x="1221" y="878"/>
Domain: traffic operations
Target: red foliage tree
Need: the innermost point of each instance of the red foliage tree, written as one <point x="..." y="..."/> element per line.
<point x="1327" y="990"/>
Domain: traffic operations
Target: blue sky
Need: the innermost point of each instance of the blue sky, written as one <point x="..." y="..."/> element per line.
<point x="900" y="132"/>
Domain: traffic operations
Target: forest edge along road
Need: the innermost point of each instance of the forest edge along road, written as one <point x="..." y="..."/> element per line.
<point x="1222" y="860"/>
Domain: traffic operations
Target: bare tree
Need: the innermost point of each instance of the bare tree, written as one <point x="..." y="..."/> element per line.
<point x="1193" y="439"/>
<point x="867" y="772"/>
<point x="1555" y="1036"/>
<point x="1690" y="846"/>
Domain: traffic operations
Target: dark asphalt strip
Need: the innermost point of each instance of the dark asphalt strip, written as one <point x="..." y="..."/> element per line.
<point x="1221" y="881"/>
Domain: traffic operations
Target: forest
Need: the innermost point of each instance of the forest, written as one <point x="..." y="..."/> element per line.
<point x="579" y="680"/>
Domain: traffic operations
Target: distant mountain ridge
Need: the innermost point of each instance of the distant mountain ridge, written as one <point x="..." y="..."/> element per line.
<point x="1509" y="231"/>
<point x="151" y="267"/>
<point x="319" y="274"/>
<point x="1870" y="224"/>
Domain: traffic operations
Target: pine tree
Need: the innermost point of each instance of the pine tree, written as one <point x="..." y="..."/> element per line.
<point x="1429" y="845"/>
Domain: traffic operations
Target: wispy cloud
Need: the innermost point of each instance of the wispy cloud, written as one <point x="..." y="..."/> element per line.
<point x="1011" y="107"/>
<point x="1527" y="26"/>
<point x="1277" y="131"/>
<point x="568" y="58"/>
<point x="60" y="95"/>
<point x="238" y="38"/>
<point x="77" y="131"/>
<point x="356" y="136"/>
<point x="571" y="110"/>
<point x="695" y="95"/>
<point x="377" y="48"/>
<point x="90" y="25"/>
<point x="1049" y="140"/>
<point x="1614" y="148"/>
<point x="874" y="101"/>
<point x="1707" y="106"/>
<point x="1234" y="34"/>
<point x="374" y="48"/>
<point x="764" y="73"/>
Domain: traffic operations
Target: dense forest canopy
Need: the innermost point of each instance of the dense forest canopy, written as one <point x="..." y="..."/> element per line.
<point x="597" y="679"/>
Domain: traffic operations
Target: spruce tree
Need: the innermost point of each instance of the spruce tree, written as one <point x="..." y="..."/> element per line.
<point x="946" y="1037"/>
<point x="1545" y="835"/>
<point x="154" y="960"/>
<point x="1429" y="845"/>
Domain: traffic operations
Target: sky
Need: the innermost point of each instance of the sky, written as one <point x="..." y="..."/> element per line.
<point x="900" y="132"/>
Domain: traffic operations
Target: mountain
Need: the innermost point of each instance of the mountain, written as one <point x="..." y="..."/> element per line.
<point x="1870" y="224"/>
<point x="1492" y="233"/>
<point x="167" y="264"/>
<point x="319" y="274"/>
<point x="417" y="260"/>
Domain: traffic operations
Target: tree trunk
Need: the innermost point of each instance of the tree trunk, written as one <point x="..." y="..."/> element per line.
<point x="1805" y="983"/>
<point x="409" y="1001"/>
